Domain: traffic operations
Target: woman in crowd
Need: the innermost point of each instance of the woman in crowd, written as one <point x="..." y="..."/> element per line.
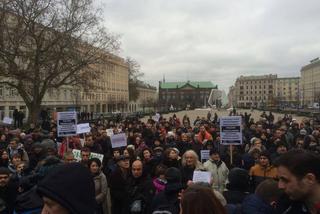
<point x="190" y="162"/>
<point x="198" y="199"/>
<point x="101" y="185"/>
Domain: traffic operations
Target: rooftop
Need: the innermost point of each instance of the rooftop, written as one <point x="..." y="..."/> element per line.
<point x="173" y="85"/>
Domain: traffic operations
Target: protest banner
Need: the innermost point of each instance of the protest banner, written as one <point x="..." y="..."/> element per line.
<point x="77" y="155"/>
<point x="83" y="128"/>
<point x="7" y="120"/>
<point x="230" y="130"/>
<point x="119" y="140"/>
<point x="201" y="176"/>
<point x="205" y="155"/>
<point x="67" y="123"/>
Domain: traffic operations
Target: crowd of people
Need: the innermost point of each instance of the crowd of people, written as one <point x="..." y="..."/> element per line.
<point x="276" y="169"/>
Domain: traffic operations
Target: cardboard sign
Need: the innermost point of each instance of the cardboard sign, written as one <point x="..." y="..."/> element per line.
<point x="205" y="154"/>
<point x="67" y="123"/>
<point x="118" y="140"/>
<point x="77" y="155"/>
<point x="200" y="176"/>
<point x="230" y="130"/>
<point x="83" y="128"/>
<point x="7" y="120"/>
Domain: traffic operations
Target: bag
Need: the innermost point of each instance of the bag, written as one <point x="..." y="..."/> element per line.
<point x="136" y="206"/>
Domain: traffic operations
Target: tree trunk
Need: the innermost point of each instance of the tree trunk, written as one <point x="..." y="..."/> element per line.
<point x="34" y="111"/>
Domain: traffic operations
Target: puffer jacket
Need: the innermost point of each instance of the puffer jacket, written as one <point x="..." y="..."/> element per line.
<point x="219" y="172"/>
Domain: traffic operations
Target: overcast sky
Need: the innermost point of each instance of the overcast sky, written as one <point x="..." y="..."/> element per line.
<point x="216" y="40"/>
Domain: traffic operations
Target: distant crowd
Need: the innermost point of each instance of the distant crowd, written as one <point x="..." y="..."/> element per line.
<point x="276" y="169"/>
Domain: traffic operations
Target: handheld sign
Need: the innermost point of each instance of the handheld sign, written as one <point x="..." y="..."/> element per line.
<point x="7" y="120"/>
<point x="230" y="130"/>
<point x="205" y="154"/>
<point x="67" y="123"/>
<point x="156" y="117"/>
<point x="118" y="140"/>
<point x="109" y="132"/>
<point x="77" y="155"/>
<point x="200" y="176"/>
<point x="83" y="128"/>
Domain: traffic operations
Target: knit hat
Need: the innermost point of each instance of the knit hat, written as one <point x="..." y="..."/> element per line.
<point x="238" y="179"/>
<point x="70" y="185"/>
<point x="173" y="175"/>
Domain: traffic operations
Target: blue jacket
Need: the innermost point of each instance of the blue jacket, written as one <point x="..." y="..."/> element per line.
<point x="253" y="204"/>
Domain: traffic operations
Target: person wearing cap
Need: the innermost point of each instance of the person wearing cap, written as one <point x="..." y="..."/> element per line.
<point x="262" y="170"/>
<point x="68" y="189"/>
<point x="118" y="184"/>
<point x="219" y="170"/>
<point x="168" y="201"/>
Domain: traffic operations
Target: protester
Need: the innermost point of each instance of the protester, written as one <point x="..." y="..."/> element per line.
<point x="198" y="199"/>
<point x="32" y="153"/>
<point x="218" y="169"/>
<point x="299" y="177"/>
<point x="68" y="189"/>
<point x="100" y="184"/>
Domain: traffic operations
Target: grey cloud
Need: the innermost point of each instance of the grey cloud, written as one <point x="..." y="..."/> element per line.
<point x="215" y="39"/>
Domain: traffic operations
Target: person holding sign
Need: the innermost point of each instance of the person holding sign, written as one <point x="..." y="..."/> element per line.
<point x="190" y="163"/>
<point x="218" y="169"/>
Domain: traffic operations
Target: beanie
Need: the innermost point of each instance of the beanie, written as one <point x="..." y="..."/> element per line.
<point x="70" y="185"/>
<point x="173" y="175"/>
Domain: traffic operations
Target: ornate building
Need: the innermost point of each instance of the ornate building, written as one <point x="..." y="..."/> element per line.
<point x="182" y="95"/>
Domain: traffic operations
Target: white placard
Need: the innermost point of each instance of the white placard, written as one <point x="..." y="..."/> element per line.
<point x="119" y="140"/>
<point x="67" y="123"/>
<point x="200" y="176"/>
<point x="205" y="154"/>
<point x="230" y="130"/>
<point x="77" y="155"/>
<point x="156" y="117"/>
<point x="109" y="132"/>
<point x="7" y="120"/>
<point x="83" y="128"/>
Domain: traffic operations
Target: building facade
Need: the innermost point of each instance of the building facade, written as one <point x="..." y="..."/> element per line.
<point x="182" y="95"/>
<point x="255" y="91"/>
<point x="232" y="99"/>
<point x="310" y="83"/>
<point x="287" y="92"/>
<point x="147" y="99"/>
<point x="111" y="94"/>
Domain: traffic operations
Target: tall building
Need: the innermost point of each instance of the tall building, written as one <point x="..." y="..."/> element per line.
<point x="111" y="94"/>
<point x="232" y="99"/>
<point x="147" y="98"/>
<point x="182" y="95"/>
<point x="255" y="91"/>
<point x="287" y="92"/>
<point x="310" y="83"/>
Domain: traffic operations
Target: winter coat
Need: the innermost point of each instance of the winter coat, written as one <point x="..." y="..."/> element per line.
<point x="101" y="190"/>
<point x="119" y="184"/>
<point x="259" y="174"/>
<point x="219" y="172"/>
<point x="253" y="204"/>
<point x="159" y="185"/>
<point x="141" y="190"/>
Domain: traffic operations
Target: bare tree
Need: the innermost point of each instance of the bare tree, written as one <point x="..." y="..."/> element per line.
<point x="134" y="75"/>
<point x="46" y="44"/>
